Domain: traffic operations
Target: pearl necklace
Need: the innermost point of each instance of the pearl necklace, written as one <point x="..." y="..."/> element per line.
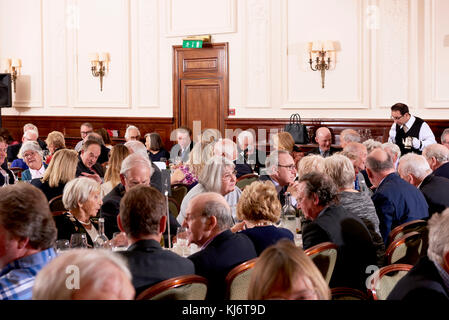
<point x="84" y="223"/>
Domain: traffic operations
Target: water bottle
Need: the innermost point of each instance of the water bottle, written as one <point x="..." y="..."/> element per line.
<point x="288" y="216"/>
<point x="100" y="240"/>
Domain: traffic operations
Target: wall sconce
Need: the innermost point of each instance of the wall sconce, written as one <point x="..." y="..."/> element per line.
<point x="321" y="55"/>
<point x="12" y="66"/>
<point x="100" y="65"/>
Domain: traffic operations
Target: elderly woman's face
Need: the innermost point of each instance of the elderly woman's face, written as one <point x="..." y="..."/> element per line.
<point x="228" y="180"/>
<point x="93" y="204"/>
<point x="302" y="289"/>
<point x="32" y="159"/>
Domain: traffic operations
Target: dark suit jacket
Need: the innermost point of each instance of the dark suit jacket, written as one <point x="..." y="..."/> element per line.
<point x="97" y="168"/>
<point x="49" y="192"/>
<point x="176" y="152"/>
<point x="355" y="247"/>
<point x="13" y="150"/>
<point x="422" y="283"/>
<point x="249" y="163"/>
<point x="332" y="150"/>
<point x="150" y="264"/>
<point x="265" y="236"/>
<point x="442" y="171"/>
<point x="397" y="202"/>
<point x="281" y="194"/>
<point x="111" y="208"/>
<point x="436" y="192"/>
<point x="223" y="253"/>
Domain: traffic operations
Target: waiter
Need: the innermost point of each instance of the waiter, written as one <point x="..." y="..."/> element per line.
<point x="410" y="133"/>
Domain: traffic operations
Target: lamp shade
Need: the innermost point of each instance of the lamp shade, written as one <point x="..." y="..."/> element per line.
<point x="93" y="56"/>
<point x="328" y="46"/>
<point x="317" y="46"/>
<point x="16" y="63"/>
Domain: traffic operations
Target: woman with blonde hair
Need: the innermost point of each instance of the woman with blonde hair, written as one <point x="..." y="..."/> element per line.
<point x="55" y="141"/>
<point x="112" y="176"/>
<point x="283" y="141"/>
<point x="61" y="170"/>
<point x="284" y="272"/>
<point x="311" y="162"/>
<point x="259" y="209"/>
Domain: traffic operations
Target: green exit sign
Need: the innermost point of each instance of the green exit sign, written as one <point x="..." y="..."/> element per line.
<point x="192" y="43"/>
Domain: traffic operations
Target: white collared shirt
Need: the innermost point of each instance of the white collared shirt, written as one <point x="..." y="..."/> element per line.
<point x="425" y="133"/>
<point x="37" y="173"/>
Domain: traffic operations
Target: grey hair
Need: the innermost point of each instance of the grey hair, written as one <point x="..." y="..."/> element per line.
<point x="393" y="147"/>
<point x="26" y="133"/>
<point x="321" y="185"/>
<point x="341" y="170"/>
<point x="219" y="210"/>
<point x="438" y="151"/>
<point x="50" y="282"/>
<point x="137" y="147"/>
<point x="415" y="164"/>
<point x="130" y="128"/>
<point x="135" y="160"/>
<point x="438" y="226"/>
<point x="378" y="165"/>
<point x="30" y="126"/>
<point x="273" y="159"/>
<point x="77" y="191"/>
<point x="30" y="145"/>
<point x="309" y="163"/>
<point x="350" y="135"/>
<point x="245" y="134"/>
<point x="444" y="134"/>
<point x="371" y="144"/>
<point x="212" y="173"/>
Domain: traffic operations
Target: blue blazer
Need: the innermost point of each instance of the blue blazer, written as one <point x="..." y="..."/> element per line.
<point x="397" y="202"/>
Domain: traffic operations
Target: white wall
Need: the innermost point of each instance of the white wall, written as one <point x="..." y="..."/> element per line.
<point x="388" y="51"/>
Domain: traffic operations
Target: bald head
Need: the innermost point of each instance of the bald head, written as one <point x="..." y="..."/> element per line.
<point x="203" y="198"/>
<point x="324" y="138"/>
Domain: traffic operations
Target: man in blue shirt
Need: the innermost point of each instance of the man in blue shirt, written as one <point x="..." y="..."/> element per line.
<point x="27" y="235"/>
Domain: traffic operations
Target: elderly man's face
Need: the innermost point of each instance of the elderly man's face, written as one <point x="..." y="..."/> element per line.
<point x="133" y="135"/>
<point x="183" y="139"/>
<point x="306" y="202"/>
<point x="29" y="136"/>
<point x="285" y="173"/>
<point x="445" y="141"/>
<point x="85" y="130"/>
<point x="90" y="155"/>
<point x="199" y="228"/>
<point x="359" y="163"/>
<point x="135" y="176"/>
<point x="324" y="140"/>
<point x="32" y="159"/>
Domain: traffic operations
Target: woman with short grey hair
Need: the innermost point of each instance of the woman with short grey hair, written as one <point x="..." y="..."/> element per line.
<point x="82" y="199"/>
<point x="33" y="156"/>
<point x="218" y="175"/>
<point x="341" y="170"/>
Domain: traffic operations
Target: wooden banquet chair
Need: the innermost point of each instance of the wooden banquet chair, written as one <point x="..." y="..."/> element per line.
<point x="187" y="287"/>
<point x="383" y="280"/>
<point x="246" y="180"/>
<point x="407" y="249"/>
<point x="324" y="255"/>
<point x="178" y="192"/>
<point x="237" y="280"/>
<point x="56" y="204"/>
<point x="401" y="230"/>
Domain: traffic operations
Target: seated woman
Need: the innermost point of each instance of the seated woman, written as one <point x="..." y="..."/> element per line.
<point x="32" y="153"/>
<point x="155" y="147"/>
<point x="61" y="170"/>
<point x="341" y="170"/>
<point x="82" y="200"/>
<point x="105" y="136"/>
<point x="55" y="141"/>
<point x="112" y="176"/>
<point x="6" y="175"/>
<point x="259" y="209"/>
<point x="284" y="141"/>
<point x="284" y="272"/>
<point x="218" y="175"/>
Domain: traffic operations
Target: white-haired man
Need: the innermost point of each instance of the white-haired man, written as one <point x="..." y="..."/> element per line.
<point x="132" y="134"/>
<point x="438" y="157"/>
<point x="347" y="136"/>
<point x="428" y="280"/>
<point x="414" y="169"/>
<point x="249" y="158"/>
<point x="184" y="145"/>
<point x="30" y="133"/>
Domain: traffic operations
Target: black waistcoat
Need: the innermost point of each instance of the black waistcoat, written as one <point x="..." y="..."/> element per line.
<point x="412" y="132"/>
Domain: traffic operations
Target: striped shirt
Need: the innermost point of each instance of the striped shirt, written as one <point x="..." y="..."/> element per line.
<point x="17" y="278"/>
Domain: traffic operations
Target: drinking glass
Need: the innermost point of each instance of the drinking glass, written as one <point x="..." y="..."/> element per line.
<point x="119" y="241"/>
<point x="62" y="245"/>
<point x="182" y="241"/>
<point x="78" y="240"/>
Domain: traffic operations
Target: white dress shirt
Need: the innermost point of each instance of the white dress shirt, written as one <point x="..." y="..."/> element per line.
<point x="425" y="138"/>
<point x="37" y="173"/>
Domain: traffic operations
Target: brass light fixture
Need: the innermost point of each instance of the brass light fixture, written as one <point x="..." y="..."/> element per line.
<point x="321" y="54"/>
<point x="12" y="66"/>
<point x="100" y="64"/>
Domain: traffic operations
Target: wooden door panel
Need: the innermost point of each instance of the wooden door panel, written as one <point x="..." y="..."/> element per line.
<point x="200" y="101"/>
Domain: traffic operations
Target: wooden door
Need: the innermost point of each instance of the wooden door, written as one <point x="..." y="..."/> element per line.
<point x="201" y="86"/>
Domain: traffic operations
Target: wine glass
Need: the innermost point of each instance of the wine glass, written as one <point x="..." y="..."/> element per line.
<point x="119" y="241"/>
<point x="182" y="240"/>
<point x="62" y="245"/>
<point x="78" y="240"/>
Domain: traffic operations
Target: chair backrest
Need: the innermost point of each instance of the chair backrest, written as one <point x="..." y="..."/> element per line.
<point x="324" y="255"/>
<point x="407" y="249"/>
<point x="401" y="230"/>
<point x="188" y="287"/>
<point x="173" y="206"/>
<point x="178" y="192"/>
<point x="56" y="204"/>
<point x="344" y="293"/>
<point x="246" y="180"/>
<point x="237" y="280"/>
<point x="17" y="172"/>
<point x="384" y="279"/>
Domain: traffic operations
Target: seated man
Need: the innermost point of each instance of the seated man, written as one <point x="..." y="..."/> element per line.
<point x="143" y="217"/>
<point x="437" y="156"/>
<point x="330" y="222"/>
<point x="414" y="169"/>
<point x="396" y="201"/>
<point x="104" y="154"/>
<point x="281" y="171"/>
<point x="323" y="137"/>
<point x="209" y="219"/>
<point x="347" y="136"/>
<point x="27" y="236"/>
<point x="13" y="150"/>
<point x="132" y="134"/>
<point x="248" y="155"/>
<point x="106" y="277"/>
<point x="85" y="129"/>
<point x="135" y="170"/>
<point x="427" y="281"/>
<point x="87" y="161"/>
<point x="357" y="153"/>
<point x="184" y="145"/>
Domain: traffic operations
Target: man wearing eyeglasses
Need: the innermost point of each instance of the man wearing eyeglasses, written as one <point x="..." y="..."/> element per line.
<point x="410" y="133"/>
<point x="281" y="171"/>
<point x="85" y="129"/>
